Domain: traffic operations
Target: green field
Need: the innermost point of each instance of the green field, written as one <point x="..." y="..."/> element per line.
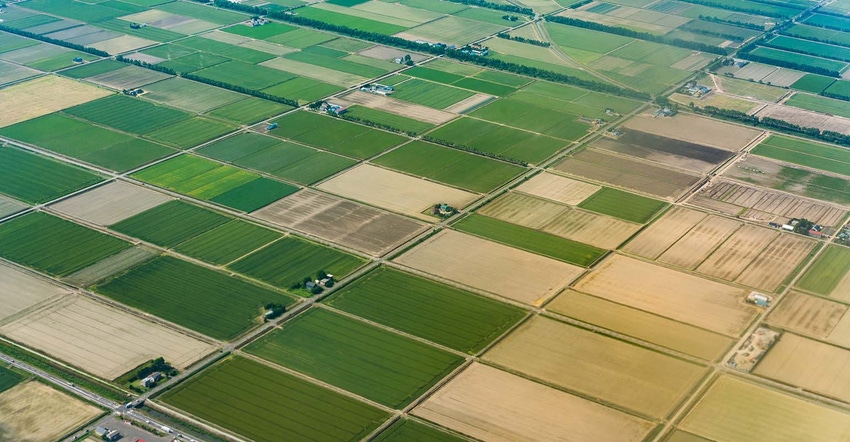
<point x="290" y="260"/>
<point x="810" y="48"/>
<point x="191" y="132"/>
<point x="227" y="242"/>
<point x="335" y="135"/>
<point x="191" y="62"/>
<point x="825" y="273"/>
<point x="498" y="139"/>
<point x="437" y="312"/>
<point x="806" y="153"/>
<point x="387" y="368"/>
<point x="190" y="95"/>
<point x="338" y="19"/>
<point x="450" y="166"/>
<point x="302" y="89"/>
<point x="123" y="113"/>
<point x="623" y="205"/>
<point x="311" y="56"/>
<point x="260" y="32"/>
<point x="800" y="59"/>
<point x="249" y="110"/>
<point x="532" y="240"/>
<point x="828" y="22"/>
<point x="516" y="112"/>
<point x="839" y="89"/>
<point x="87" y="142"/>
<point x="820" y="104"/>
<point x="212" y="181"/>
<point x="243" y="74"/>
<point x="262" y="403"/>
<point x="427" y="93"/>
<point x="9" y="379"/>
<point x="170" y="224"/>
<point x="53" y="245"/>
<point x="36" y="179"/>
<point x="388" y="119"/>
<point x="283" y="159"/>
<point x="209" y="302"/>
<point x="407" y="430"/>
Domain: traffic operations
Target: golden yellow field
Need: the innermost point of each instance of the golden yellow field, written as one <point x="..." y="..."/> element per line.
<point x="664" y="232"/>
<point x="21" y="290"/>
<point x="809" y="315"/>
<point x="696" y="129"/>
<point x="558" y="188"/>
<point x="42" y="96"/>
<point x="34" y="412"/>
<point x="695" y="245"/>
<point x="809" y="364"/>
<point x="730" y="259"/>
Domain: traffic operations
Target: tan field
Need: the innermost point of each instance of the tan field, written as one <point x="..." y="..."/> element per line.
<point x="652" y="328"/>
<point x="642" y="380"/>
<point x="495" y="406"/>
<point x="315" y="72"/>
<point x="692" y="248"/>
<point x="489" y="266"/>
<point x="102" y="340"/>
<point x="341" y="221"/>
<point x="776" y="262"/>
<point x="469" y="103"/>
<point x="734" y="410"/>
<point x="388" y="54"/>
<point x="34" y="412"/>
<point x="808" y="364"/>
<point x="111" y="265"/>
<point x="109" y="204"/>
<point x="20" y="290"/>
<point x="669" y="293"/>
<point x="398" y="107"/>
<point x="806" y="118"/>
<point x="808" y="315"/>
<point x="664" y="232"/>
<point x="696" y="130"/>
<point x="737" y="252"/>
<point x="842" y="290"/>
<point x="558" y="188"/>
<point x="576" y="224"/>
<point x="124" y="43"/>
<point x="42" y="96"/>
<point x="395" y="191"/>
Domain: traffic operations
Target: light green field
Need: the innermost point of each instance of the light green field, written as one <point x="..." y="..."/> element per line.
<point x="827" y="272"/>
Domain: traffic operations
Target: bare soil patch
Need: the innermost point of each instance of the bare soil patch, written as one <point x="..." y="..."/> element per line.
<point x="470" y="103"/>
<point x="668" y="151"/>
<point x="109" y="204"/>
<point x="806" y="118"/>
<point x="694" y="129"/>
<point x="389" y="54"/>
<point x="397" y="107"/>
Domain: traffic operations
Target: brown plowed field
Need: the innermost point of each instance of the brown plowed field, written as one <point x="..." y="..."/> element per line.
<point x="694" y="129"/>
<point x="398" y="107"/>
<point x="695" y="157"/>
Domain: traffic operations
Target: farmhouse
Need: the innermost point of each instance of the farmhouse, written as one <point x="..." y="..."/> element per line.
<point x="151" y="379"/>
<point x="379" y="89"/>
<point x="759" y="299"/>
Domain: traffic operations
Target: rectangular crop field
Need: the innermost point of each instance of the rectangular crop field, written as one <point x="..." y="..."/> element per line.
<point x="408" y="430"/>
<point x="53" y="245"/>
<point x="379" y="365"/>
<point x="580" y="360"/>
<point x="42" y="96"/>
<point x="195" y="297"/>
<point x="806" y="153"/>
<point x="623" y="205"/>
<point x="262" y="403"/>
<point x="438" y="312"/>
<point x="227" y="242"/>
<point x="335" y="135"/>
<point x="122" y="113"/>
<point x="664" y="232"/>
<point x="427" y="93"/>
<point x="21" y="290"/>
<point x="829" y="275"/>
<point x="110" y="203"/>
<point x="37" y="179"/>
<point x="558" y="188"/>
<point x="695" y="129"/>
<point x="770" y="54"/>
<point x="291" y="259"/>
<point x="170" y="224"/>
<point x="9" y="379"/>
<point x="790" y="362"/>
<point x="31" y="402"/>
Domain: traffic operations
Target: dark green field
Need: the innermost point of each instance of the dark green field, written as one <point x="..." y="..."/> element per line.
<point x="36" y="179"/>
<point x="379" y="365"/>
<point x="123" y="113"/>
<point x="532" y="240"/>
<point x="291" y="259"/>
<point x="440" y="313"/>
<point x="406" y="430"/>
<point x="623" y="205"/>
<point x="450" y="166"/>
<point x="195" y="297"/>
<point x="250" y="110"/>
<point x="227" y="242"/>
<point x="388" y="119"/>
<point x="813" y="83"/>
<point x="498" y="139"/>
<point x="265" y="404"/>
<point x="9" y="379"/>
<point x="53" y="245"/>
<point x="170" y="224"/>
<point x="335" y="135"/>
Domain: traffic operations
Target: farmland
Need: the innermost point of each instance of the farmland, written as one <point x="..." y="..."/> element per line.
<point x="390" y="369"/>
<point x="170" y="224"/>
<point x="805" y="153"/>
<point x="289" y="260"/>
<point x="829" y="274"/>
<point x="27" y="406"/>
<point x="335" y="135"/>
<point x="9" y="379"/>
<point x="195" y="297"/>
<point x="111" y="203"/>
<point x="53" y="245"/>
<point x="227" y="242"/>
<point x="805" y="183"/>
<point x="20" y="290"/>
<point x="440" y="313"/>
<point x="789" y="361"/>
<point x="262" y="403"/>
<point x="820" y="104"/>
<point x="623" y="205"/>
<point x="36" y="179"/>
<point x="42" y="96"/>
<point x="413" y="431"/>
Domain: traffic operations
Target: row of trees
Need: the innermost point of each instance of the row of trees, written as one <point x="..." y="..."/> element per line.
<point x="530" y="41"/>
<point x="54" y="41"/>
<point x="626" y="32"/>
<point x="746" y="53"/>
<point x="506" y="7"/>
<point x="483" y="153"/>
<point x="740" y="24"/>
<point x="738" y="7"/>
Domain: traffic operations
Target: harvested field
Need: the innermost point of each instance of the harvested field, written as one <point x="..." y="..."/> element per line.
<point x="618" y="170"/>
<point x="564" y="221"/>
<point x="765" y="205"/>
<point x="557" y="188"/>
<point x="109" y="204"/>
<point x="496" y="406"/>
<point x="642" y="325"/>
<point x="694" y="129"/>
<point x="395" y="191"/>
<point x="34" y="412"/>
<point x="129" y="77"/>
<point x="42" y="96"/>
<point x="655" y="289"/>
<point x="580" y="360"/>
<point x="808" y="315"/>
<point x="100" y="339"/>
<point x="782" y="176"/>
<point x="739" y="249"/>
<point x="806" y="118"/>
<point x="364" y="228"/>
<point x="338" y="78"/>
<point x="9" y="206"/>
<point x="734" y="410"/>
<point x="776" y="263"/>
<point x="387" y="53"/>
<point x="124" y="43"/>
<point x="111" y="265"/>
<point x="473" y="102"/>
<point x="668" y="151"/>
<point x="664" y="232"/>
<point x="505" y="271"/>
<point x="20" y="290"/>
<point x="397" y="107"/>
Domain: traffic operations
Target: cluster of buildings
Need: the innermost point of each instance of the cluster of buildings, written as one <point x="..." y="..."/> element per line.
<point x="378" y="89"/>
<point x="327" y="281"/>
<point x="107" y="434"/>
<point x="151" y="380"/>
<point x="695" y="89"/>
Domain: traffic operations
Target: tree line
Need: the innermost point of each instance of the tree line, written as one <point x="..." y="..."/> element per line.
<point x="694" y="45"/>
<point x="736" y="7"/>
<point x="530" y="41"/>
<point x="746" y="53"/>
<point x="54" y="41"/>
<point x="483" y="153"/>
<point x="496" y="6"/>
<point x="740" y="24"/>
